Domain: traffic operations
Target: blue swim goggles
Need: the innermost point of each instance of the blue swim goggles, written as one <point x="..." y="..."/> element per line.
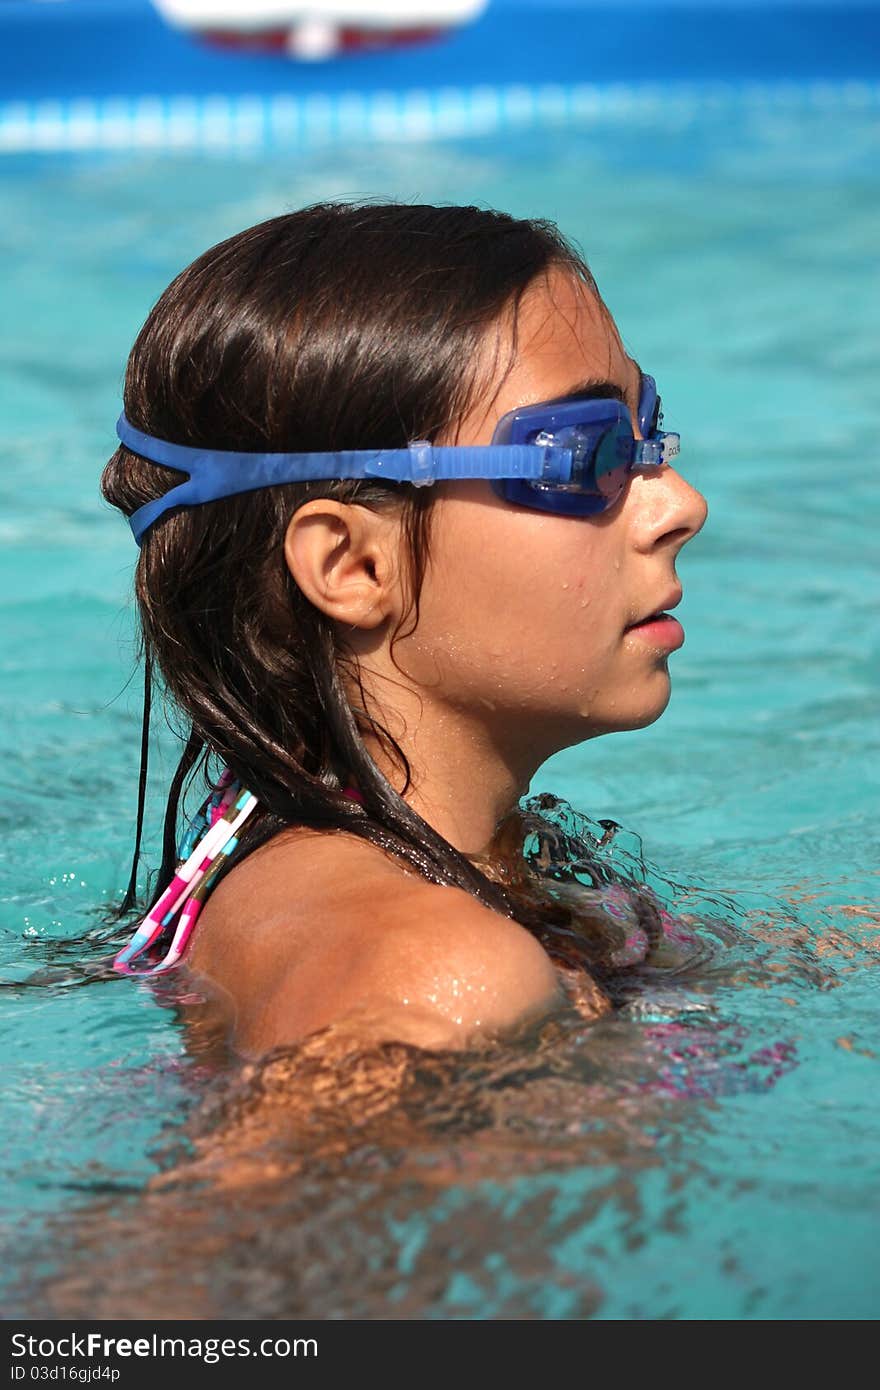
<point x="572" y="456"/>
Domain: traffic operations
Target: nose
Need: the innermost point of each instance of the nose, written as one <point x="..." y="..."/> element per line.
<point x="668" y="510"/>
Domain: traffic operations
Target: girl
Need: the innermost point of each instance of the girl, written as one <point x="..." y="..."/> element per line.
<point x="407" y="528"/>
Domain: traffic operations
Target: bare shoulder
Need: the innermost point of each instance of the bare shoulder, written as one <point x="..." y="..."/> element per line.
<point x="448" y="968"/>
<point x="295" y="891"/>
<point x="427" y="965"/>
<point x="330" y="930"/>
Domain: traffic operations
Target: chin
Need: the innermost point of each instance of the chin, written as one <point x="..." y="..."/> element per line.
<point x="638" y="716"/>
<point x="642" y="721"/>
<point x="653" y="710"/>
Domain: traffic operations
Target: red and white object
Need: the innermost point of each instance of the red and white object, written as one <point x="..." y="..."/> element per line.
<point x="317" y="29"/>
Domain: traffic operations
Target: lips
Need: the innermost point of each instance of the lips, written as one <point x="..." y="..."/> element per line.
<point x="672" y="600"/>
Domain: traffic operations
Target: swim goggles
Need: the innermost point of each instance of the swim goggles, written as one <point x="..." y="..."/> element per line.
<point x="572" y="455"/>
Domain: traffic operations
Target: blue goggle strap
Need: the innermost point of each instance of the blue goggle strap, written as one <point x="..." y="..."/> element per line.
<point x="651" y="453"/>
<point x="217" y="473"/>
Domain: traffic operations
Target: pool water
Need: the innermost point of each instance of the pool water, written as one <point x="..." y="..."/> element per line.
<point x="711" y="1150"/>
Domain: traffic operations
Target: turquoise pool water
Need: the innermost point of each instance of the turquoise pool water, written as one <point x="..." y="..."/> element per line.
<point x="613" y="1171"/>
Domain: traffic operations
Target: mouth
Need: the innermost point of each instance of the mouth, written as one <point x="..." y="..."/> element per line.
<point x="659" y="614"/>
<point x="652" y="618"/>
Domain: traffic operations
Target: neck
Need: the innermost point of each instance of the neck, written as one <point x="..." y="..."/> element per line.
<point x="465" y="778"/>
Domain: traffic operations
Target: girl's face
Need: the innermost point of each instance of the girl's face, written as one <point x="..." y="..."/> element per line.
<point x="525" y="616"/>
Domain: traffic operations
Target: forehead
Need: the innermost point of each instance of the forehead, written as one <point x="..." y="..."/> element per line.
<point x="562" y="336"/>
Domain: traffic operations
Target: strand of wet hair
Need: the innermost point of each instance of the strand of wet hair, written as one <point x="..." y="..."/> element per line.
<point x="130" y="896"/>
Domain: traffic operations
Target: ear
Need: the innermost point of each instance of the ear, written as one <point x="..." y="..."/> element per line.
<point x="343" y="557"/>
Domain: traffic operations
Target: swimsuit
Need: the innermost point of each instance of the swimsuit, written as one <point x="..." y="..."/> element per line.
<point x="208" y="844"/>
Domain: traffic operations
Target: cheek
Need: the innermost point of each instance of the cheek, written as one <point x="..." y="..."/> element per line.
<point x="518" y="608"/>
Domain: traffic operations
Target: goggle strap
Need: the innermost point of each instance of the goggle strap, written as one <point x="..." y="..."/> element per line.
<point x="651" y="453"/>
<point x="216" y="473"/>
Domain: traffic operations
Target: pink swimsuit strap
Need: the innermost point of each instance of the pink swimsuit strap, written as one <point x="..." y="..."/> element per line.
<point x="208" y="844"/>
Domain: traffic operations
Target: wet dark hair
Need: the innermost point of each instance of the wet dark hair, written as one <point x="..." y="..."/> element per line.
<point x="338" y="326"/>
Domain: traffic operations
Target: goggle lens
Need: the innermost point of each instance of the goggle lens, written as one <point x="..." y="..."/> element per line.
<point x="611" y="461"/>
<point x="603" y="444"/>
<point x="650" y="408"/>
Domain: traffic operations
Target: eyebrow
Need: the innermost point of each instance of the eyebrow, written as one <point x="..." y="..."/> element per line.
<point x="592" y="390"/>
<point x="597" y="390"/>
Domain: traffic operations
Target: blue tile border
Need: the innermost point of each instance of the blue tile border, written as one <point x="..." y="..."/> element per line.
<point x="286" y="121"/>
